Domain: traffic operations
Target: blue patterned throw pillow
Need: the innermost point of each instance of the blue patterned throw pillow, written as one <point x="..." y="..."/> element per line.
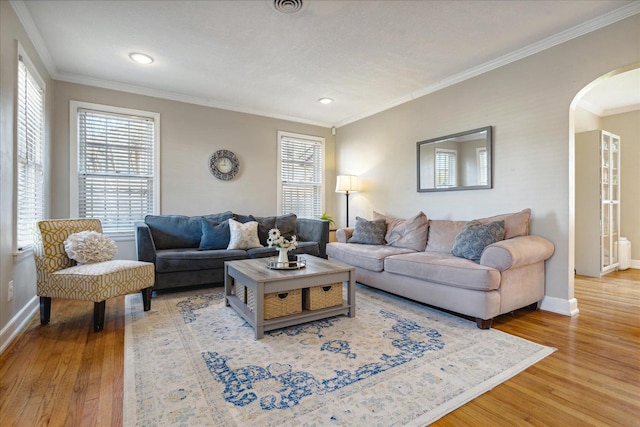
<point x="474" y="237"/>
<point x="369" y="232"/>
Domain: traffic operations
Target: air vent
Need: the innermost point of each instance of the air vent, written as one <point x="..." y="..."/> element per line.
<point x="288" y="7"/>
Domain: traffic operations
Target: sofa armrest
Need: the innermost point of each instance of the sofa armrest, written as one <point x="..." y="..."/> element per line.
<point x="517" y="252"/>
<point x="314" y="230"/>
<point x="344" y="234"/>
<point x="145" y="248"/>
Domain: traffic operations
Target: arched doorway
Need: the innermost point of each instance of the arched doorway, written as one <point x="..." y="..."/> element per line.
<point x="619" y="94"/>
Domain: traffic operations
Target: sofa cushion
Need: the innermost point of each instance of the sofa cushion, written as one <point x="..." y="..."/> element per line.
<point x="214" y="235"/>
<point x="287" y="225"/>
<point x="474" y="237"/>
<point x="370" y="257"/>
<point x="442" y="235"/>
<point x="219" y="217"/>
<point x="172" y="260"/>
<point x="174" y="231"/>
<point x="369" y="232"/>
<point x="243" y="236"/>
<point x="515" y="224"/>
<point x="408" y="233"/>
<point x="445" y="269"/>
<point x="265" y="223"/>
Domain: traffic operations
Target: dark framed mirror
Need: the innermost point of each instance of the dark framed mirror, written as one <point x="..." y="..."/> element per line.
<point x="462" y="161"/>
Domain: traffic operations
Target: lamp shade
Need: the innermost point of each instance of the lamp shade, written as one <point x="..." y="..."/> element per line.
<point x="347" y="184"/>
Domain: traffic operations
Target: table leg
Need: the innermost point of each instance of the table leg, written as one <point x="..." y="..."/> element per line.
<point x="259" y="313"/>
<point x="228" y="285"/>
<point x="351" y="295"/>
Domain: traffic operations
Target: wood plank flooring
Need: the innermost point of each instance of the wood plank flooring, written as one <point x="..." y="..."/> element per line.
<point x="64" y="374"/>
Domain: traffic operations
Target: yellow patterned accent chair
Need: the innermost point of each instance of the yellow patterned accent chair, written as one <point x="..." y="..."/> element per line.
<point x="58" y="276"/>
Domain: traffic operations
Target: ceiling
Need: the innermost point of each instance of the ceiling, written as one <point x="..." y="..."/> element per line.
<point x="246" y="56"/>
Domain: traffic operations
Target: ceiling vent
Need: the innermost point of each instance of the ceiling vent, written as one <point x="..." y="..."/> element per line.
<point x="288" y="7"/>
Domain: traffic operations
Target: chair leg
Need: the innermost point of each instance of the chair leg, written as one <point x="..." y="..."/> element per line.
<point x="98" y="315"/>
<point x="45" y="310"/>
<point x="146" y="298"/>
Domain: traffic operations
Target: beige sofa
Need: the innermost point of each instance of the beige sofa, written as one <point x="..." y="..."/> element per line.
<point x="510" y="273"/>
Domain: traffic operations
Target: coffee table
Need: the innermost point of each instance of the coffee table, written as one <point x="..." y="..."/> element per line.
<point x="255" y="275"/>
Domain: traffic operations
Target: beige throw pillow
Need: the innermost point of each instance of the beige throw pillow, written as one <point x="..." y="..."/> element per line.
<point x="243" y="236"/>
<point x="408" y="233"/>
<point x="515" y="224"/>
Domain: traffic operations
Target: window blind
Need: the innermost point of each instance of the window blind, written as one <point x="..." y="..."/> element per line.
<point x="446" y="161"/>
<point x="482" y="166"/>
<point x="30" y="155"/>
<point x="115" y="168"/>
<point x="301" y="165"/>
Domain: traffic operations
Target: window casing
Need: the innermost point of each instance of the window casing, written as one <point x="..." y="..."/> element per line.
<point x="114" y="165"/>
<point x="446" y="168"/>
<point x="300" y="175"/>
<point x="30" y="151"/>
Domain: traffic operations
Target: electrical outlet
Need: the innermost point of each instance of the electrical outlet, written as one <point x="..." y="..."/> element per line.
<point x="10" y="292"/>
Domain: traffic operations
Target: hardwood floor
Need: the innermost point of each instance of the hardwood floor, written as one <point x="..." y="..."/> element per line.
<point x="64" y="374"/>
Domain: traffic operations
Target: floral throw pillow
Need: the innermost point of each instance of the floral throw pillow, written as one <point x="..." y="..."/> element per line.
<point x="369" y="232"/>
<point x="474" y="237"/>
<point x="243" y="236"/>
<point x="89" y="247"/>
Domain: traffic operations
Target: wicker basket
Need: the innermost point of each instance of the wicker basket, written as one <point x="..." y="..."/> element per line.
<point x="318" y="297"/>
<point x="277" y="304"/>
<point x="241" y="291"/>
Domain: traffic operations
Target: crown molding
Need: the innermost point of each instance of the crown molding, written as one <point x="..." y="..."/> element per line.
<point x="612" y="17"/>
<point x="24" y="16"/>
<point x="172" y="96"/>
<point x="559" y="38"/>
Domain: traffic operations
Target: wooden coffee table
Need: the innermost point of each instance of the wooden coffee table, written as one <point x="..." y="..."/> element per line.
<point x="255" y="275"/>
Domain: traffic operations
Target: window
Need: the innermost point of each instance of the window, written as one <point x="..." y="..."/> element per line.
<point x="114" y="165"/>
<point x="481" y="156"/>
<point x="30" y="142"/>
<point x="300" y="175"/>
<point x="446" y="174"/>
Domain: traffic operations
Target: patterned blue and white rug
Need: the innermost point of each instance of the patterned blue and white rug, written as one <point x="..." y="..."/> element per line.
<point x="191" y="361"/>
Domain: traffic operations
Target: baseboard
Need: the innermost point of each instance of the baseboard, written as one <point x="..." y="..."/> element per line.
<point x="560" y="306"/>
<point x="18" y="323"/>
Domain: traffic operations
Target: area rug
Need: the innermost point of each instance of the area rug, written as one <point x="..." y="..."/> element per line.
<point x="192" y="361"/>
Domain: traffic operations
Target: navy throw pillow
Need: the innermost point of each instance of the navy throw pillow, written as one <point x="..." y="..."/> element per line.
<point x="214" y="235"/>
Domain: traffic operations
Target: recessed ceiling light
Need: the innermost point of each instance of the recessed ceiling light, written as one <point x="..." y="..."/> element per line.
<point x="325" y="100"/>
<point x="141" y="58"/>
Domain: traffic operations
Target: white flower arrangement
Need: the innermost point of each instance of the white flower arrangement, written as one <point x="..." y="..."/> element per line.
<point x="276" y="240"/>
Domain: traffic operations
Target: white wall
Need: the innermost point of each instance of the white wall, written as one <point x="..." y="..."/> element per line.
<point x="19" y="268"/>
<point x="528" y="104"/>
<point x="627" y="127"/>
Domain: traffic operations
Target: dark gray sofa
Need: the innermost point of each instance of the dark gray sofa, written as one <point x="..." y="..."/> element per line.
<point x="173" y="244"/>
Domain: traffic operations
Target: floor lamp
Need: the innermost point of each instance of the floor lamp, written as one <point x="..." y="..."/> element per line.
<point x="347" y="184"/>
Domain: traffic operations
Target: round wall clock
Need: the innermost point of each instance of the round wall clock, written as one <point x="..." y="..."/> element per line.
<point x="224" y="165"/>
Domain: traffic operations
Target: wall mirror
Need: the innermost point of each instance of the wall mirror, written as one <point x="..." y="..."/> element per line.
<point x="462" y="161"/>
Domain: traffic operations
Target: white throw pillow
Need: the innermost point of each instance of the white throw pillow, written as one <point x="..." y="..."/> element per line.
<point x="243" y="236"/>
<point x="89" y="247"/>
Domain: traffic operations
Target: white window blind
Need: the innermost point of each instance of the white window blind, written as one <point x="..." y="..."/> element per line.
<point x="30" y="153"/>
<point x="446" y="170"/>
<point x="301" y="175"/>
<point x="482" y="166"/>
<point x="115" y="168"/>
